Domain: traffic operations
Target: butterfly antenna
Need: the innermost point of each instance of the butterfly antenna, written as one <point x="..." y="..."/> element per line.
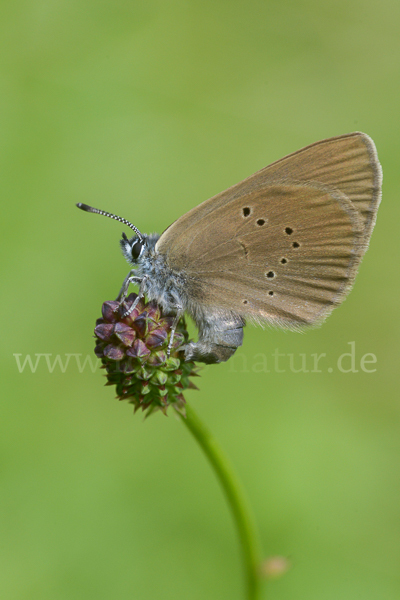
<point x="87" y="208"/>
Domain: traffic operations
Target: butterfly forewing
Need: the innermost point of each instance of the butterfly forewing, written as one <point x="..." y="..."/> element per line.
<point x="348" y="163"/>
<point x="284" y="245"/>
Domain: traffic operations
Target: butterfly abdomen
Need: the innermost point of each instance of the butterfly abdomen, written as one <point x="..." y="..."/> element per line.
<point x="219" y="338"/>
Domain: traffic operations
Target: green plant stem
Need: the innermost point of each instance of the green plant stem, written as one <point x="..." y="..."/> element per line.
<point x="236" y="499"/>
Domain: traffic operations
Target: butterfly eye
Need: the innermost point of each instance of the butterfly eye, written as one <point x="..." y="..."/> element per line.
<point x="136" y="249"/>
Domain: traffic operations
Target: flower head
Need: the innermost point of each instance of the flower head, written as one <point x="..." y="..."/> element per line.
<point x="133" y="350"/>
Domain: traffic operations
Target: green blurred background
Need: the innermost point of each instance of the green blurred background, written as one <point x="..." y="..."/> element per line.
<point x="147" y="109"/>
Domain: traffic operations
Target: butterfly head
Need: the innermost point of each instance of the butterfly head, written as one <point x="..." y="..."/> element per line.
<point x="133" y="248"/>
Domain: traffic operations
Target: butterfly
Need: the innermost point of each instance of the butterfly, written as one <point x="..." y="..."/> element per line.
<point x="281" y="247"/>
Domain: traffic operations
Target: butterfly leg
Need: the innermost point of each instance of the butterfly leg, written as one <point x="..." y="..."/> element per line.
<point x="179" y="313"/>
<point x="130" y="278"/>
<point x="142" y="290"/>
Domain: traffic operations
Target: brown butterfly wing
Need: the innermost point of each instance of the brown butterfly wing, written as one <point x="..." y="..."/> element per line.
<point x="348" y="163"/>
<point x="284" y="245"/>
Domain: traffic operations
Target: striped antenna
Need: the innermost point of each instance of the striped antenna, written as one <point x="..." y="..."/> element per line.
<point x="87" y="208"/>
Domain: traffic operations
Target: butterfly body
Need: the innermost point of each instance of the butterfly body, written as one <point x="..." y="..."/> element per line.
<point x="220" y="331"/>
<point x="281" y="247"/>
